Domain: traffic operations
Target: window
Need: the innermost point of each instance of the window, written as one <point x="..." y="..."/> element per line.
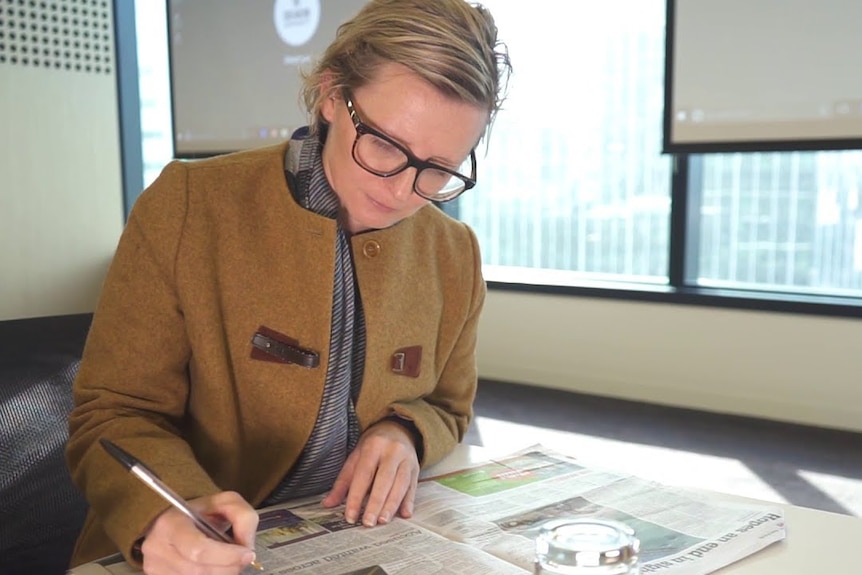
<point x="573" y="184"/>
<point x="779" y="221"/>
<point x="574" y="187"/>
<point x="154" y="87"/>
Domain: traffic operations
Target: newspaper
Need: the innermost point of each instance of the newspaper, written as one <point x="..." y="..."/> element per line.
<point x="484" y="519"/>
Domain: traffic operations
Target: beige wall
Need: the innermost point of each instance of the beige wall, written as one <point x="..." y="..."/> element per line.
<point x="61" y="209"/>
<point x="795" y="368"/>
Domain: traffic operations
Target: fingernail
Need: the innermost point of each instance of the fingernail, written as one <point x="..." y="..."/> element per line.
<point x="249" y="557"/>
<point x="350" y="518"/>
<point x="383" y="519"/>
<point x="369" y="520"/>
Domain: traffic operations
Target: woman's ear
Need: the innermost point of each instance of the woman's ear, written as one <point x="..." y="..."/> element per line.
<point x="331" y="96"/>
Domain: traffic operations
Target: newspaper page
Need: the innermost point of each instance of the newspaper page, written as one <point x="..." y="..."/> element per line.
<point x="484" y="519"/>
<point x="310" y="539"/>
<point x="498" y="507"/>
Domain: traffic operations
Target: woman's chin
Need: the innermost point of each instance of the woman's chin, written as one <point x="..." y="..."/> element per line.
<point x="373" y="220"/>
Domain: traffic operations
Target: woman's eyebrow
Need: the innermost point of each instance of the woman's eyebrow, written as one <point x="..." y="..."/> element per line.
<point x="444" y="162"/>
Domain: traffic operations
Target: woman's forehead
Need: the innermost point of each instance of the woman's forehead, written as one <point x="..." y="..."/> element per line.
<point x="403" y="105"/>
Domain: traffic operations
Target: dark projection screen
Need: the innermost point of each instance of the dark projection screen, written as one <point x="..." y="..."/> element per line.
<point x="745" y="75"/>
<point x="234" y="67"/>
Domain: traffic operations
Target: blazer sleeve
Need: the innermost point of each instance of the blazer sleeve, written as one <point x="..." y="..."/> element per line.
<point x="442" y="416"/>
<point x="133" y="383"/>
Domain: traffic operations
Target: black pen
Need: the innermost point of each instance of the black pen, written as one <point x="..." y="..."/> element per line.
<point x="152" y="480"/>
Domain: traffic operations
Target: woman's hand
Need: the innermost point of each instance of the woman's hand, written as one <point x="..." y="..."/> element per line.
<point x="174" y="545"/>
<point x="383" y="467"/>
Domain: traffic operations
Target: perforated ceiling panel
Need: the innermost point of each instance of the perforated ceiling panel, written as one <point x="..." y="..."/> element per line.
<point x="73" y="35"/>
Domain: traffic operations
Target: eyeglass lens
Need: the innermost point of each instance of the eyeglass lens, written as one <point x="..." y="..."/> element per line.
<point x="382" y="158"/>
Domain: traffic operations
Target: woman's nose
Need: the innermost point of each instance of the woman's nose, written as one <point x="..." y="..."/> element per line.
<point x="402" y="184"/>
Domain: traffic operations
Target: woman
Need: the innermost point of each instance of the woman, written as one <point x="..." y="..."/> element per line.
<point x="297" y="319"/>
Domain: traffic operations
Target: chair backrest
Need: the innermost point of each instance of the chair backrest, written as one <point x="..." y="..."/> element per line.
<point x="41" y="511"/>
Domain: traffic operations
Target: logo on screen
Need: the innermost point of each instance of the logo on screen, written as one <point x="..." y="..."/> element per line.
<point x="296" y="21"/>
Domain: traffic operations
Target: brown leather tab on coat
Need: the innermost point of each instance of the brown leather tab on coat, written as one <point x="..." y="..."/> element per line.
<point x="270" y="345"/>
<point x="407" y="361"/>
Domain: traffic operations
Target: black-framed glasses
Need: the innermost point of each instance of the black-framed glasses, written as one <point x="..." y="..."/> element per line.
<point x="382" y="156"/>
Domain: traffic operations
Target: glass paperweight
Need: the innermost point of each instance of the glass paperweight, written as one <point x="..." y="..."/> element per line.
<point x="586" y="546"/>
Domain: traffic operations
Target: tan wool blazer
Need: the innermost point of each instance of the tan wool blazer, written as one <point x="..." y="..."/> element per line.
<point x="213" y="250"/>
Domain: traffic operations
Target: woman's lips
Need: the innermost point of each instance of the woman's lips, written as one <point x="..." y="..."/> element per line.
<point x="379" y="206"/>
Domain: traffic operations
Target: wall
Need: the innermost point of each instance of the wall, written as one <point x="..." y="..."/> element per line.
<point x="795" y="368"/>
<point x="61" y="207"/>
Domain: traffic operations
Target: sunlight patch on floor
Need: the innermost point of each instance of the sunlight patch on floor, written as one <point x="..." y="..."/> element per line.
<point x="667" y="466"/>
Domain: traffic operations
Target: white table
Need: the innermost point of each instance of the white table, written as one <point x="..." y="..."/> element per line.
<point x="817" y="541"/>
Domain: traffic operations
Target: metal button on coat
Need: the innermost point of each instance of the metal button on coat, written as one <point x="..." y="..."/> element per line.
<point x="371" y="249"/>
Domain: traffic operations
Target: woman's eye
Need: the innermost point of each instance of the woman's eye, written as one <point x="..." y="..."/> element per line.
<point x="384" y="146"/>
<point x="437" y="175"/>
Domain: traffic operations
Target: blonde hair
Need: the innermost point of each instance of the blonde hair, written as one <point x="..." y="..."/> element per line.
<point x="451" y="44"/>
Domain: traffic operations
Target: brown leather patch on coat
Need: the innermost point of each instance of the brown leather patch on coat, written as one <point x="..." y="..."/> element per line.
<point x="270" y="345"/>
<point x="407" y="361"/>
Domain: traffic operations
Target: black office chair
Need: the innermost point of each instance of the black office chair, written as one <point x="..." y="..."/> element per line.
<point x="41" y="511"/>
